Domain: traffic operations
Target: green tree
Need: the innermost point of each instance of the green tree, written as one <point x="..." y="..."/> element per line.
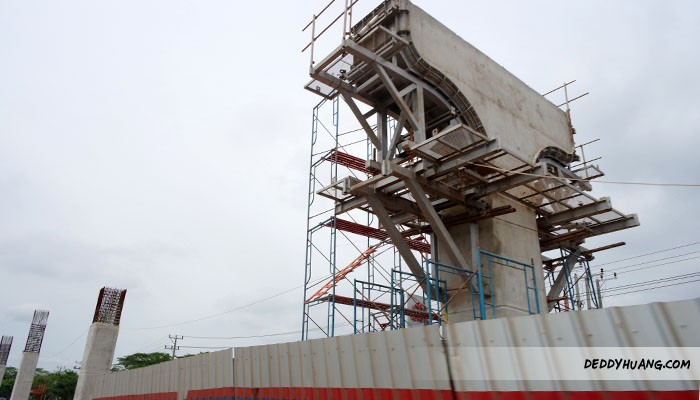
<point x="8" y="381"/>
<point x="60" y="384"/>
<point x="140" y="360"/>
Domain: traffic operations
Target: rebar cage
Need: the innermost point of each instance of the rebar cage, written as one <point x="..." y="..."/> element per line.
<point x="110" y="303"/>
<point x="5" y="346"/>
<point x="36" y="331"/>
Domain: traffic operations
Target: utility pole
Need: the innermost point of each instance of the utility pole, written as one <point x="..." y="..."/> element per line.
<point x="174" y="347"/>
<point x="600" y="297"/>
<point x="588" y="293"/>
<point x="577" y="291"/>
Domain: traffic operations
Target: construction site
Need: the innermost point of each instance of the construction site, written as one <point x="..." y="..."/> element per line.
<point x="449" y="206"/>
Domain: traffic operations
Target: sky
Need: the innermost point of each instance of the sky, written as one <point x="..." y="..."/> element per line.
<point x="162" y="147"/>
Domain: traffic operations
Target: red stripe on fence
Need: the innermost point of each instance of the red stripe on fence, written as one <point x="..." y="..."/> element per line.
<point x="295" y="393"/>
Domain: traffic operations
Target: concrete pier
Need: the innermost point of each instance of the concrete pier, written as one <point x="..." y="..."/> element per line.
<point x="30" y="357"/>
<point x="487" y="166"/>
<point x="101" y="341"/>
<point x="524" y="122"/>
<point x="97" y="359"/>
<point x="25" y="376"/>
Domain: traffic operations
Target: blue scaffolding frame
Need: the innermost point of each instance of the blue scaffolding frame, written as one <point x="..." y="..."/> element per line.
<point x="331" y="222"/>
<point x="478" y="296"/>
<point x="395" y="303"/>
<point x="510" y="263"/>
<point x="430" y="297"/>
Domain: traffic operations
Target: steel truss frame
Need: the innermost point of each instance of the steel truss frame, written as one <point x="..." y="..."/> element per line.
<point x="437" y="157"/>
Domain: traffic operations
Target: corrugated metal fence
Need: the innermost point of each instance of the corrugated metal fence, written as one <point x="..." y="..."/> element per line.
<point x="423" y="362"/>
<point x="175" y="378"/>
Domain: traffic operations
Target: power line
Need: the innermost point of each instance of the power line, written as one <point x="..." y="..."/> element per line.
<point x="244" y="337"/>
<point x="654" y="252"/>
<point x="159" y="340"/>
<point x="615" y="269"/>
<point x="653" y="261"/>
<point x="654" y="288"/>
<point x="645" y="283"/>
<point x="656" y="265"/>
<point x="651" y="281"/>
<point x="223" y="312"/>
<point x="228" y="311"/>
<point x="258" y="336"/>
<point x="156" y="348"/>
<point x="71" y="344"/>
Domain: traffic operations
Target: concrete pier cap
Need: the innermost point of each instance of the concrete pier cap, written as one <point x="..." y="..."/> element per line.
<point x="523" y="121"/>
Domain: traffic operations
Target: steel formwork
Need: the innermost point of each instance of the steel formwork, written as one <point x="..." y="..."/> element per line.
<point x="415" y="160"/>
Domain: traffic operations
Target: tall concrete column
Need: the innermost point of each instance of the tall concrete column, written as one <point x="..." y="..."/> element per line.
<point x="30" y="357"/>
<point x="5" y="346"/>
<point x="101" y="342"/>
<point x="25" y="376"/>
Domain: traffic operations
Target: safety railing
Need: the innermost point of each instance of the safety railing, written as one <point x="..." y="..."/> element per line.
<point x="509" y="263"/>
<point x="475" y="287"/>
<point x="425" y="302"/>
<point x="346" y="15"/>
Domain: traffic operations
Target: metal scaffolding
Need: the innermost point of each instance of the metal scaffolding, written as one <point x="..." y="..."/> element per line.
<point x="413" y="161"/>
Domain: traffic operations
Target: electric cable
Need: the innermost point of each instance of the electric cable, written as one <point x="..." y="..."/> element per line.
<point x="71" y="344"/>
<point x="243" y="337"/>
<point x="651" y="266"/>
<point x="150" y="345"/>
<point x="643" y="283"/>
<point x="650" y="282"/>
<point x="653" y="252"/>
<point x="227" y="311"/>
<point x="654" y="288"/>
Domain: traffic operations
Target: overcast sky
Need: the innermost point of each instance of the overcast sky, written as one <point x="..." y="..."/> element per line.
<point x="162" y="147"/>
